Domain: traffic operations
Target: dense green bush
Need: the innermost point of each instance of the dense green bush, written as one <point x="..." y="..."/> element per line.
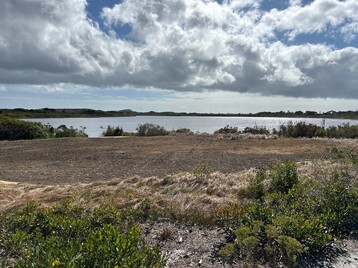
<point x="113" y="131"/>
<point x="63" y="132"/>
<point x="148" y="129"/>
<point x="284" y="176"/>
<point x="14" y="129"/>
<point x="227" y="130"/>
<point x="343" y="131"/>
<point x="184" y="130"/>
<point x="68" y="236"/>
<point x="302" y="129"/>
<point x="257" y="130"/>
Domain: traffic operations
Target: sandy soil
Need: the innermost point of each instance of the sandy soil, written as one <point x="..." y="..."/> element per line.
<point x="60" y="161"/>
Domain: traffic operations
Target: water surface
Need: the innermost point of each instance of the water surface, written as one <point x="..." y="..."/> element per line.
<point x="95" y="126"/>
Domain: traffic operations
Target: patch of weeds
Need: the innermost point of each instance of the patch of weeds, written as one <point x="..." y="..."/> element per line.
<point x="201" y="171"/>
<point x="165" y="235"/>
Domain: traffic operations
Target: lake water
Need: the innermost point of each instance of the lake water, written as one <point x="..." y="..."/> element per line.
<point x="95" y="126"/>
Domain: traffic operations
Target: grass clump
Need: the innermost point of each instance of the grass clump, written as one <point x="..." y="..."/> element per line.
<point x="148" y="129"/>
<point x="201" y="171"/>
<point x="69" y="236"/>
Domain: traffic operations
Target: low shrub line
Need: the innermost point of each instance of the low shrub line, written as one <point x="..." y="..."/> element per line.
<point x="15" y="129"/>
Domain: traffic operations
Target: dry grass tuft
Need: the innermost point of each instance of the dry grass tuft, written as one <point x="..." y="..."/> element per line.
<point x="181" y="192"/>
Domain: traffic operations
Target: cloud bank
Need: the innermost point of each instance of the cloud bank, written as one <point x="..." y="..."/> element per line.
<point x="182" y="45"/>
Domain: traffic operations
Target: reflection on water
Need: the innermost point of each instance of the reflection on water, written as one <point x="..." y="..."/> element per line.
<point x="94" y="126"/>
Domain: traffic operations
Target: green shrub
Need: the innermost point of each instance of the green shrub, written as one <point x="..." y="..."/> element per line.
<point x="64" y="132"/>
<point x="257" y="130"/>
<point x="291" y="248"/>
<point x="256" y="188"/>
<point x="68" y="236"/>
<point x="14" y="129"/>
<point x="298" y="216"/>
<point x="113" y="131"/>
<point x="301" y="129"/>
<point x="249" y="246"/>
<point x="185" y="131"/>
<point x="284" y="176"/>
<point x="343" y="131"/>
<point x="201" y="171"/>
<point x="151" y="130"/>
<point x="227" y="130"/>
<point x="228" y="252"/>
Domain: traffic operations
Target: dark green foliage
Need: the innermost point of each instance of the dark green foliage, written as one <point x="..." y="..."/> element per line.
<point x="148" y="129"/>
<point x="256" y="188"/>
<point x="113" y="131"/>
<point x="14" y="129"/>
<point x="257" y="130"/>
<point x="284" y="177"/>
<point x="68" y="236"/>
<point x="186" y="131"/>
<point x="297" y="216"/>
<point x="343" y="131"/>
<point x="300" y="129"/>
<point x="63" y="132"/>
<point x="227" y="130"/>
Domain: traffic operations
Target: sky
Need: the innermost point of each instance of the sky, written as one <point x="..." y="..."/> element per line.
<point x="223" y="56"/>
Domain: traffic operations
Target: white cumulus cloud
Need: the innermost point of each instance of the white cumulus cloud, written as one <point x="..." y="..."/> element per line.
<point x="183" y="45"/>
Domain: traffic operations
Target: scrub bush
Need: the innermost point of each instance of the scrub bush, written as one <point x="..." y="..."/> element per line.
<point x="151" y="130"/>
<point x="68" y="236"/>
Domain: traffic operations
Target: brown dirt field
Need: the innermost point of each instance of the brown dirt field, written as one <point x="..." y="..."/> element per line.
<point x="59" y="161"/>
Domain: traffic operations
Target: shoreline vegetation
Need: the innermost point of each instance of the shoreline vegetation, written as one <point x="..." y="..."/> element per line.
<point x="73" y="113"/>
<point x="17" y="129"/>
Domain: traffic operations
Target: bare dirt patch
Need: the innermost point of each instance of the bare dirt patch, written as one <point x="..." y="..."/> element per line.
<point x="59" y="161"/>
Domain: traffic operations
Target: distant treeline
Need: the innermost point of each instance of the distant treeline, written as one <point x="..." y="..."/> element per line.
<point x="63" y="113"/>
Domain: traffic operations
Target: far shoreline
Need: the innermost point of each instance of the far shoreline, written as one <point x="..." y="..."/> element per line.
<point x="22" y="113"/>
